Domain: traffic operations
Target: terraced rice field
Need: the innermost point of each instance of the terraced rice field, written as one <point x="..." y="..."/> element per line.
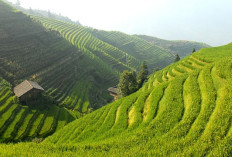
<point x="20" y="122"/>
<point x="183" y="110"/>
<point x="29" y="51"/>
<point x="111" y="47"/>
<point x="182" y="47"/>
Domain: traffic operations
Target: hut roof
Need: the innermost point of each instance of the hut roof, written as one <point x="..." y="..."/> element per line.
<point x="113" y="90"/>
<point x="25" y="87"/>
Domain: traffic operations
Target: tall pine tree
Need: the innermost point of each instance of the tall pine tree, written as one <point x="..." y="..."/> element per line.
<point x="143" y="74"/>
<point x="177" y="58"/>
<point x="127" y="83"/>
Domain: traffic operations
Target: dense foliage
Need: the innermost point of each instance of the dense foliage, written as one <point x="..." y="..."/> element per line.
<point x="142" y="75"/>
<point x="127" y="83"/>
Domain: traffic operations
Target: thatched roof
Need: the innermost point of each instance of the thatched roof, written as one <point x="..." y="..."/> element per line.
<point x="25" y="87"/>
<point x="113" y="90"/>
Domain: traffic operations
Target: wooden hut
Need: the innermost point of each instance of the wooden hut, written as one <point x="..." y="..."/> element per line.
<point x="28" y="90"/>
<point x="113" y="92"/>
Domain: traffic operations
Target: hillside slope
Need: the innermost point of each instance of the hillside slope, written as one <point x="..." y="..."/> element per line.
<point x="73" y="74"/>
<point x="29" y="51"/>
<point x="125" y="50"/>
<point x="183" y="110"/>
<point x="156" y="57"/>
<point x="22" y="122"/>
<point x="182" y="47"/>
<point x="61" y="53"/>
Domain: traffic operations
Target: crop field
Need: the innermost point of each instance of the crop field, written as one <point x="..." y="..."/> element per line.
<point x="182" y="47"/>
<point x="57" y="54"/>
<point x="29" y="51"/>
<point x="111" y="47"/>
<point x="20" y="122"/>
<point x="133" y="46"/>
<point x="183" y="110"/>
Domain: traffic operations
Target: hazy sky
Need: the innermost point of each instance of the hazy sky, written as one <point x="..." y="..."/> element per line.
<point x="208" y="21"/>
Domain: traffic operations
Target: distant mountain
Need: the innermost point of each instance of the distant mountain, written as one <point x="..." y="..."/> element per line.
<point x="182" y="47"/>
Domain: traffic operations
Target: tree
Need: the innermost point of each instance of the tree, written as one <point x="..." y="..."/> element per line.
<point x="127" y="83"/>
<point x="193" y="50"/>
<point x="143" y="74"/>
<point x="177" y="58"/>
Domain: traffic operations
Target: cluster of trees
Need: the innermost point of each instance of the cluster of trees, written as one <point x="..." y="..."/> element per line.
<point x="130" y="81"/>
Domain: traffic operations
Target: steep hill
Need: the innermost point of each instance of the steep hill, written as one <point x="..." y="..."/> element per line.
<point x="61" y="53"/>
<point x="155" y="56"/>
<point x="182" y="47"/>
<point x="29" y="51"/>
<point x="21" y="122"/>
<point x="129" y="52"/>
<point x="183" y="110"/>
<point x="73" y="66"/>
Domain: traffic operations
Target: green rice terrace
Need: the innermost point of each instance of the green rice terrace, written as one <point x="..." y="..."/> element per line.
<point x="182" y="47"/>
<point x="124" y="50"/>
<point x="57" y="54"/>
<point x="21" y="122"/>
<point x="183" y="110"/>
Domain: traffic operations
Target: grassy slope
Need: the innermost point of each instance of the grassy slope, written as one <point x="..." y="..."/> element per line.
<point x="184" y="109"/>
<point x="183" y="48"/>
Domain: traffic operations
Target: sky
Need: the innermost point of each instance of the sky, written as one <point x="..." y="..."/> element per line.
<point x="208" y="21"/>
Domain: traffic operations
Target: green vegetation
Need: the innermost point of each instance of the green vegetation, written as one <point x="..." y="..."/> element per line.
<point x="177" y="58"/>
<point x="20" y="122"/>
<point x="56" y="54"/>
<point x="182" y="47"/>
<point x="187" y="112"/>
<point x="136" y="47"/>
<point x="143" y="74"/>
<point x="127" y="83"/>
<point x="182" y="110"/>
